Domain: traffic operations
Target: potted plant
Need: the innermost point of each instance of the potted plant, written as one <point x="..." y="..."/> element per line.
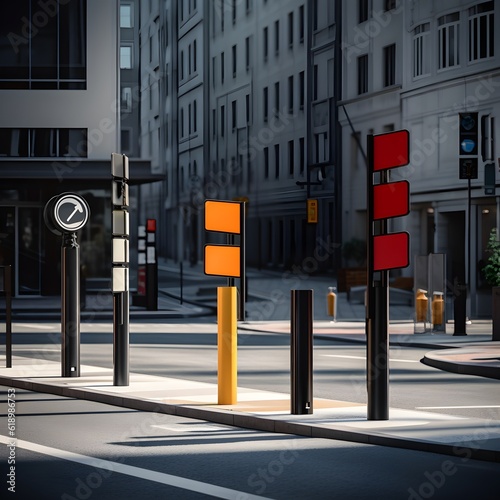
<point x="492" y="274"/>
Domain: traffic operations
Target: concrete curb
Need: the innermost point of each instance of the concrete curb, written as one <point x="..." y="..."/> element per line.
<point x="261" y="423"/>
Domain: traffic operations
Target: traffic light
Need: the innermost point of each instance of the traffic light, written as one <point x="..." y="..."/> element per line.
<point x="468" y="149"/>
<point x="468" y="135"/>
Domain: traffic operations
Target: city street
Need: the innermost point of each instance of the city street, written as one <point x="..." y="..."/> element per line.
<point x="71" y="449"/>
<point x="188" y="350"/>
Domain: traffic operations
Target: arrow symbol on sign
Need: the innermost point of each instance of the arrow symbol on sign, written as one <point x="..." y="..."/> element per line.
<point x="78" y="208"/>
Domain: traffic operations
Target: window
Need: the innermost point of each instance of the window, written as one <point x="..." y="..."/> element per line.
<point x="266" y="42"/>
<point x="181" y="125"/>
<point x="448" y="40"/>
<point x="421" y="50"/>
<point x="315" y="14"/>
<point x="247" y="108"/>
<point x="301" y="24"/>
<point x="247" y="53"/>
<point x="126" y="100"/>
<point x="276" y="161"/>
<point x="234" y="60"/>
<point x="213" y="71"/>
<point x="290" y="94"/>
<point x="363" y="74"/>
<point x="389" y="65"/>
<point x="222" y="7"/>
<point x="182" y="65"/>
<point x="481" y="37"/>
<point x="276" y="37"/>
<point x="194" y="56"/>
<point x="266" y="104"/>
<point x="290" y="29"/>
<point x="233" y="115"/>
<point x="43" y="142"/>
<point x="222" y="120"/>
<point x="276" y="98"/>
<point x="125" y="57"/>
<point x="291" y="158"/>
<point x="362" y="11"/>
<point x="301" y="90"/>
<point x="234" y="11"/>
<point x="41" y="50"/>
<point x="126" y="16"/>
<point x="222" y="67"/>
<point x="125" y="140"/>
<point x="266" y="163"/>
<point x="195" y="117"/>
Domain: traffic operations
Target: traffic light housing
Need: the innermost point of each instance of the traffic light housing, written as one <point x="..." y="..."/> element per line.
<point x="468" y="134"/>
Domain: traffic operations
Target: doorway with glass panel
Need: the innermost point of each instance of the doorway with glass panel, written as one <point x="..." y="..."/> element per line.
<point x="20" y="246"/>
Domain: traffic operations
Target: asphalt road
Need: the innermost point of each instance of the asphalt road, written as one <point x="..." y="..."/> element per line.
<point x="72" y="449"/>
<point x="188" y="350"/>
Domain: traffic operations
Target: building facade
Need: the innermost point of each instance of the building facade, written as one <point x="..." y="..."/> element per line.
<point x="418" y="65"/>
<point x="61" y="104"/>
<point x="252" y="104"/>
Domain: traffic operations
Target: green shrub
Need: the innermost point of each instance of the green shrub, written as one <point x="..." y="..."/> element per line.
<point x="492" y="268"/>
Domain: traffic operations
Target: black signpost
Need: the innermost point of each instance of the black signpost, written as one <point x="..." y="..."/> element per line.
<point x="64" y="215"/>
<point x="120" y="258"/>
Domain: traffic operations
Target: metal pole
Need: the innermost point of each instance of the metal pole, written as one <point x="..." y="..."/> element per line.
<point x="121" y="338"/>
<point x="70" y="307"/>
<point x="7" y="281"/>
<point x="227" y="351"/>
<point x="301" y="355"/>
<point x="377" y="312"/>
<point x="243" y="278"/>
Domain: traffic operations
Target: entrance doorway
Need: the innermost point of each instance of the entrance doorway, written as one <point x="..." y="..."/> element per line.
<point x="20" y="246"/>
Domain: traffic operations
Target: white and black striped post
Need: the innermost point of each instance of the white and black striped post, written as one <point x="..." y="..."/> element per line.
<point x="120" y="260"/>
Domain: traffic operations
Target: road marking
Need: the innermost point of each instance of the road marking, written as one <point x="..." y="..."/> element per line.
<point x="130" y="470"/>
<point x="36" y="326"/>
<point x="455" y="407"/>
<point x="364" y="358"/>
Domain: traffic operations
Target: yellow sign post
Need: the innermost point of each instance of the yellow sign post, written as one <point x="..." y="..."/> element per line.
<point x="227" y="260"/>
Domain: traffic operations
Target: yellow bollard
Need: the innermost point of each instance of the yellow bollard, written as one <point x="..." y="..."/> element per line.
<point x="437" y="309"/>
<point x="421" y="305"/>
<point x="331" y="302"/>
<point x="227" y="352"/>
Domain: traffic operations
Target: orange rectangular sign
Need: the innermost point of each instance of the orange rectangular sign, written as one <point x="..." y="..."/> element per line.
<point x="222" y="260"/>
<point x="222" y="216"/>
<point x="312" y="211"/>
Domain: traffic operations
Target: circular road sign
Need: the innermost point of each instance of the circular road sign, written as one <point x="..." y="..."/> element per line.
<point x="71" y="212"/>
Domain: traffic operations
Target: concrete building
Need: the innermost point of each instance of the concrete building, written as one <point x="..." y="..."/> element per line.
<point x="417" y="65"/>
<point x="60" y="122"/>
<point x="252" y="106"/>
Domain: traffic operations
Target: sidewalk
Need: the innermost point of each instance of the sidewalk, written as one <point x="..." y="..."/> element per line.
<point x="265" y="410"/>
<point x="473" y="354"/>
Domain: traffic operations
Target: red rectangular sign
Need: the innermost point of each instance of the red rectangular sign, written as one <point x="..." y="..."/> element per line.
<point x="391" y="251"/>
<point x="391" y="200"/>
<point x="391" y="150"/>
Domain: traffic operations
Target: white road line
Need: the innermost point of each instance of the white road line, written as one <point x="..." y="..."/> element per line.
<point x="455" y="407"/>
<point x="364" y="358"/>
<point x="37" y="326"/>
<point x="130" y="470"/>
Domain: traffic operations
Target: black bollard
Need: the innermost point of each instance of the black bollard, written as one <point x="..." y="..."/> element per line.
<point x="70" y="307"/>
<point x="459" y="309"/>
<point x="301" y="352"/>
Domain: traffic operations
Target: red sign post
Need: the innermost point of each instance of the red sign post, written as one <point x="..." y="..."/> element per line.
<point x="386" y="251"/>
